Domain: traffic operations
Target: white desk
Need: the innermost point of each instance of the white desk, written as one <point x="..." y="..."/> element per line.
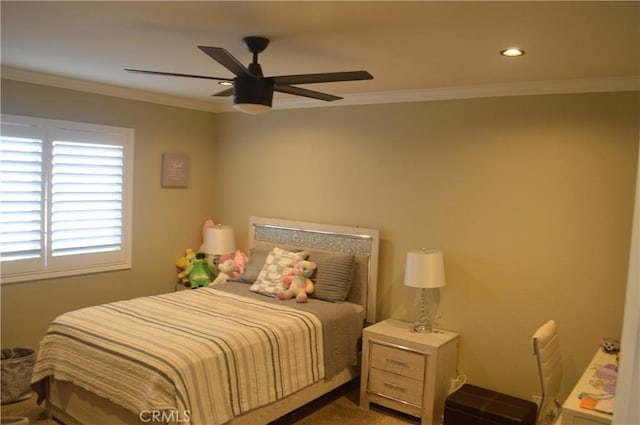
<point x="572" y="413"/>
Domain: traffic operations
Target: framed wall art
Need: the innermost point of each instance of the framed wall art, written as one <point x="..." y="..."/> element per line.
<point x="175" y="170"/>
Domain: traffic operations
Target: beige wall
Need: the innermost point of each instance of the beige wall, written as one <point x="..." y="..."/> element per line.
<point x="529" y="197"/>
<point x="165" y="221"/>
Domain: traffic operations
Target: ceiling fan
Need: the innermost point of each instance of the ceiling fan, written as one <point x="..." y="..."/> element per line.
<point x="252" y="91"/>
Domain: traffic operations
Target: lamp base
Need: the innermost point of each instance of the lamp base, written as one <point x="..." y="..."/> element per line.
<point x="428" y="313"/>
<point x="422" y="328"/>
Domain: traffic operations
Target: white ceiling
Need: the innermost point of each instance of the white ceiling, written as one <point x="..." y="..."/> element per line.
<point x="416" y="50"/>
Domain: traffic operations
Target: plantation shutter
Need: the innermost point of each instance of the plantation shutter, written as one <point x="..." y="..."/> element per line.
<point x="65" y="198"/>
<point x="21" y="188"/>
<point x="86" y="198"/>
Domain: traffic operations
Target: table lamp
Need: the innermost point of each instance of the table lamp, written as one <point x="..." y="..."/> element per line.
<point x="219" y="240"/>
<point x="425" y="270"/>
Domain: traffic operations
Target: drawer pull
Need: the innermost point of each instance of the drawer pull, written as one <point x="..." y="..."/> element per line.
<point x="396" y="362"/>
<point x="394" y="386"/>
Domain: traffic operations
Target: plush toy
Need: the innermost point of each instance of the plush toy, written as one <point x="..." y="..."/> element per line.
<point x="200" y="274"/>
<point x="184" y="265"/>
<point x="300" y="284"/>
<point x="225" y="270"/>
<point x="207" y="223"/>
<point x="189" y="274"/>
<point x="610" y="345"/>
<point x="239" y="262"/>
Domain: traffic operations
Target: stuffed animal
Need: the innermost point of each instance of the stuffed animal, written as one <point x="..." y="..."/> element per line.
<point x="189" y="274"/>
<point x="240" y="260"/>
<point x="184" y="265"/>
<point x="207" y="223"/>
<point x="225" y="270"/>
<point x="610" y="345"/>
<point x="199" y="273"/>
<point x="300" y="284"/>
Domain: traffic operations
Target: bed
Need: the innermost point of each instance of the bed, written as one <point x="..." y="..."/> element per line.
<point x="228" y="353"/>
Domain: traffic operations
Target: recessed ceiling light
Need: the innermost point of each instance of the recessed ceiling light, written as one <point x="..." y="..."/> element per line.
<point x="225" y="83"/>
<point x="512" y="52"/>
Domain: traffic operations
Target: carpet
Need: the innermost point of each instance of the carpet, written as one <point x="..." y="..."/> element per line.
<point x="341" y="407"/>
<point x="27" y="408"/>
<point x="337" y="407"/>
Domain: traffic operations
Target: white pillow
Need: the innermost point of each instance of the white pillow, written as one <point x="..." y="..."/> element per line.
<point x="279" y="263"/>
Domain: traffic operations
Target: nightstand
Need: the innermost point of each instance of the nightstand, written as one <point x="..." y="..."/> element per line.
<point x="408" y="371"/>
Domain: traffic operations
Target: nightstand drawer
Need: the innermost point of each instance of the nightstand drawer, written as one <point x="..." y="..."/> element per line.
<point x="395" y="387"/>
<point x="397" y="360"/>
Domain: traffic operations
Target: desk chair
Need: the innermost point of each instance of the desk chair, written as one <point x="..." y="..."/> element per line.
<point x="546" y="348"/>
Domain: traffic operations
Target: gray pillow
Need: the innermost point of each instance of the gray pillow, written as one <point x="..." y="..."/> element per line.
<point x="334" y="275"/>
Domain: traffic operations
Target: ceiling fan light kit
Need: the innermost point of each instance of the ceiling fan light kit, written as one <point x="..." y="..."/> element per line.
<point x="252" y="92"/>
<point x="252" y="96"/>
<point x="252" y="108"/>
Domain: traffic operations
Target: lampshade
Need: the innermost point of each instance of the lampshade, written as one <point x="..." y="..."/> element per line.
<point x="424" y="269"/>
<point x="219" y="240"/>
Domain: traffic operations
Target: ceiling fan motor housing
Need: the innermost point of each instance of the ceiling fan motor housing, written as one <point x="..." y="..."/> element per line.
<point x="251" y="90"/>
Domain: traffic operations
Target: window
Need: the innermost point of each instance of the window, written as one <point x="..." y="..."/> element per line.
<point x="65" y="198"/>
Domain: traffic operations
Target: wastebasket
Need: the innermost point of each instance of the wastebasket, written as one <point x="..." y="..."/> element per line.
<point x="16" y="365"/>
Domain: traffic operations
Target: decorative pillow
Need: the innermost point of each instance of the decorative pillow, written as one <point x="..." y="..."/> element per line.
<point x="334" y="275"/>
<point x="257" y="258"/>
<point x="279" y="263"/>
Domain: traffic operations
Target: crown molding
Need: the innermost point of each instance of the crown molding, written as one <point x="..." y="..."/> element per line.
<point x="631" y="83"/>
<point x="526" y="88"/>
<point x="52" y="80"/>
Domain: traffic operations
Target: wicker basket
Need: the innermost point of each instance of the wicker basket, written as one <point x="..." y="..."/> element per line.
<point x="16" y="366"/>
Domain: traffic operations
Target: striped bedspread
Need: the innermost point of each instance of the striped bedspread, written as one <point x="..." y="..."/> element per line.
<point x="204" y="354"/>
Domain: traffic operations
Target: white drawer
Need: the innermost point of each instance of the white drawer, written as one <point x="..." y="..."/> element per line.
<point x="397" y="360"/>
<point x="395" y="387"/>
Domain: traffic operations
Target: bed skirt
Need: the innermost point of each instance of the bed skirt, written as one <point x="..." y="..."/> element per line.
<point x="73" y="405"/>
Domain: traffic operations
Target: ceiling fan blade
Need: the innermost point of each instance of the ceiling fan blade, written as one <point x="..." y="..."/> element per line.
<point x="326" y="77"/>
<point x="283" y="88"/>
<point x="224" y="93"/>
<point x="225" y="59"/>
<point x="174" y="74"/>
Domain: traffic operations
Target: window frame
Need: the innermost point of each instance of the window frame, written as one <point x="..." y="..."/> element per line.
<point x="48" y="266"/>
